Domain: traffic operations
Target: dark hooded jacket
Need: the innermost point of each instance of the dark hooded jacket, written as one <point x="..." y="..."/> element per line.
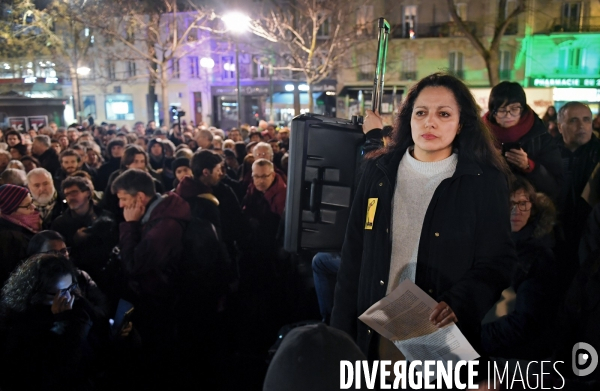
<point x="151" y="248"/>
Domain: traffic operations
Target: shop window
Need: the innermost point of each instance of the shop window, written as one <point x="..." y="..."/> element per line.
<point x="89" y="106"/>
<point x="119" y="107"/>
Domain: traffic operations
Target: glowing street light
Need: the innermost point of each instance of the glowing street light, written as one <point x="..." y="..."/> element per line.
<point x="207" y="62"/>
<point x="83" y="71"/>
<point x="237" y="23"/>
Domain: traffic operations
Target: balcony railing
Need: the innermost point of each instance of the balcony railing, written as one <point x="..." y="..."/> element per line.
<point x="583" y="25"/>
<point x="434" y="30"/>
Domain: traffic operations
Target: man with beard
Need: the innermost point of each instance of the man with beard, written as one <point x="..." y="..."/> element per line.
<point x="45" y="197"/>
<point x="69" y="163"/>
<point x="89" y="231"/>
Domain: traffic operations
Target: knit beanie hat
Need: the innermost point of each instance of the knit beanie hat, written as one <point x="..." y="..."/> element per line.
<point x="180" y="162"/>
<point x="229" y="153"/>
<point x="10" y="198"/>
<point x="308" y="359"/>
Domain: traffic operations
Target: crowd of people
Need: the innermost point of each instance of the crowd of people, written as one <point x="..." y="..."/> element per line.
<point x="183" y="223"/>
<point x="494" y="216"/>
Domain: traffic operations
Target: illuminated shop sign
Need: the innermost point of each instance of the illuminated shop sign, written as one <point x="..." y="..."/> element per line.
<point x="565" y="82"/>
<point x="47" y="80"/>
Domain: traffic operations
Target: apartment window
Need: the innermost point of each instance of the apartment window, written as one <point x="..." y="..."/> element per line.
<point x="571" y="58"/>
<point x="512" y="28"/>
<point x="228" y="67"/>
<point x="461" y="10"/>
<point x="409" y="21"/>
<point x="365" y="20"/>
<point x="366" y="68"/>
<point x="194" y="67"/>
<point x="131" y="71"/>
<point x="409" y="66"/>
<point x="505" y="65"/>
<point x="455" y="64"/>
<point x="259" y="68"/>
<point x="175" y="73"/>
<point x="571" y="16"/>
<point x="111" y="71"/>
<point x="323" y="31"/>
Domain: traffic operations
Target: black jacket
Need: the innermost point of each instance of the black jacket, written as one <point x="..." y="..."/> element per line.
<point x="465" y="250"/>
<point x="523" y="333"/>
<point x="49" y="160"/>
<point x="105" y="171"/>
<point x="14" y="240"/>
<point x="574" y="210"/>
<point x="547" y="175"/>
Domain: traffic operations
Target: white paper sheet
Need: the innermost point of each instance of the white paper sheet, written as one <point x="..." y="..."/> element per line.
<point x="403" y="318"/>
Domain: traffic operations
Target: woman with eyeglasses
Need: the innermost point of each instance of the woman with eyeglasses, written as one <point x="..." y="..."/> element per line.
<point x="54" y="336"/>
<point x="45" y="326"/>
<point x="19" y="221"/>
<point x="522" y="136"/>
<point x="518" y="326"/>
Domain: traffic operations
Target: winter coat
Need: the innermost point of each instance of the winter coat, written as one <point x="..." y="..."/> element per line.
<point x="49" y="160"/>
<point x="574" y="210"/>
<point x="546" y="176"/>
<point x="14" y="240"/>
<point x="150" y="251"/>
<point x="104" y="172"/>
<point x="465" y="251"/>
<point x="523" y="333"/>
<point x="257" y="204"/>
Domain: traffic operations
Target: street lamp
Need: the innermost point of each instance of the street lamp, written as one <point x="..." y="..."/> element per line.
<point x="207" y="64"/>
<point x="237" y="23"/>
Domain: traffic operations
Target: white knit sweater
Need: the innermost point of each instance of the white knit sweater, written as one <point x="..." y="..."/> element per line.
<point x="415" y="186"/>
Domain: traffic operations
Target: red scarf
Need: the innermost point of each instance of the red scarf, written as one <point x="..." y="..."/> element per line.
<point x="32" y="222"/>
<point x="514" y="133"/>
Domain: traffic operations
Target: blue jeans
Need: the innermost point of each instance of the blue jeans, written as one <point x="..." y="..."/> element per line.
<point x="325" y="267"/>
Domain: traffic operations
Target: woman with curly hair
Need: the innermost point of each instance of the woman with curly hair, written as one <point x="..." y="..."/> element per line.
<point x="54" y="337"/>
<point x="46" y="326"/>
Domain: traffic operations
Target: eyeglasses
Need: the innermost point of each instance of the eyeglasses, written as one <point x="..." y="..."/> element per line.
<point x="69" y="289"/>
<point x="28" y="206"/>
<point x="523" y="206"/>
<point x="514" y="111"/>
<point x="262" y="154"/>
<point x="63" y="251"/>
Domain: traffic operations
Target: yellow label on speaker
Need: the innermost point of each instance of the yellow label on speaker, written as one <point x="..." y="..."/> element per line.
<point x="371" y="209"/>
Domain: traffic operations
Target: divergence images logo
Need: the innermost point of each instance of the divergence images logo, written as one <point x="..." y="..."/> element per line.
<point x="582" y="355"/>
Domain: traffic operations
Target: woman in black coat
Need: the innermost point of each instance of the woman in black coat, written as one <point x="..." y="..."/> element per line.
<point x="463" y="254"/>
<point x="513" y="121"/>
<point x="523" y="332"/>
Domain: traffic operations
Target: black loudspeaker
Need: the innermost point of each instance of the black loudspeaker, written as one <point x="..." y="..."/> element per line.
<point x="325" y="155"/>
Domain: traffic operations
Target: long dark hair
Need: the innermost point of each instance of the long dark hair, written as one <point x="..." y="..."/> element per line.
<point x="474" y="142"/>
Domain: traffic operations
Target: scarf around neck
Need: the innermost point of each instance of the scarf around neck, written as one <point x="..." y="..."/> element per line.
<point x="515" y="132"/>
